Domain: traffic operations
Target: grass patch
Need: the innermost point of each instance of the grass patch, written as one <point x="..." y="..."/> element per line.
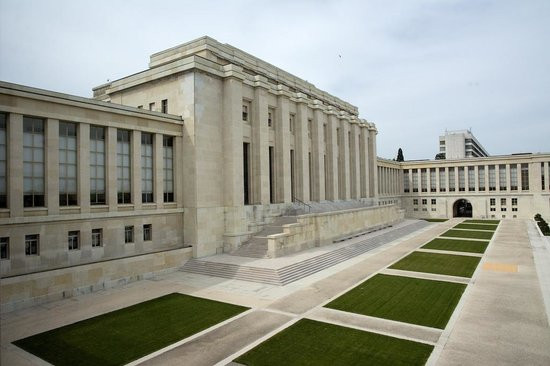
<point x="310" y="342"/>
<point x="435" y="220"/>
<point x="124" y="335"/>
<point x="468" y="234"/>
<point x="457" y="245"/>
<point x="406" y="299"/>
<point x="476" y="226"/>
<point x="446" y="264"/>
<point x="495" y="222"/>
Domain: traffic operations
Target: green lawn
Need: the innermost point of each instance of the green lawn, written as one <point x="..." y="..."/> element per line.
<point x="468" y="234"/>
<point x="406" y="299"/>
<point x="477" y="226"/>
<point x="457" y="245"/>
<point x="483" y="221"/>
<point x="310" y="342"/>
<point x="124" y="335"/>
<point x="446" y="264"/>
<point x="435" y="220"/>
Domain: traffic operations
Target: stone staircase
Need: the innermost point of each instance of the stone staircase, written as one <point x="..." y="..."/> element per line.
<point x="300" y="208"/>
<point x="256" y="246"/>
<point x="296" y="271"/>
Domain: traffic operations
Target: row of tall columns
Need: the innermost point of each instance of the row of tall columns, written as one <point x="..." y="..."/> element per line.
<point x="389" y="181"/>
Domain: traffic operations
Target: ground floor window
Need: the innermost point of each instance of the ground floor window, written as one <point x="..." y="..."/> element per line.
<point x="4" y="248"/>
<point x="128" y="234"/>
<point x="73" y="240"/>
<point x="147" y="232"/>
<point x="32" y="243"/>
<point x="97" y="237"/>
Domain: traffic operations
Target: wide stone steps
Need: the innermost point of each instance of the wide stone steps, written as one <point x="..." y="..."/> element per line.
<point x="299" y="270"/>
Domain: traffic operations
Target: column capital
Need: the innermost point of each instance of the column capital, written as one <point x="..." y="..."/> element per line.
<point x="261" y="82"/>
<point x="301" y="98"/>
<point x="233" y="71"/>
<point x="317" y="104"/>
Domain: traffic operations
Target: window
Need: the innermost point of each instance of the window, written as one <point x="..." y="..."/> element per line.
<point x="152" y="106"/>
<point x="503" y="201"/>
<point x="168" y="153"/>
<point x="164" y="106"/>
<point x="97" y="238"/>
<point x="492" y="178"/>
<point x="270" y="116"/>
<point x="406" y="180"/>
<point x="515" y="209"/>
<point x="424" y="201"/>
<point x="310" y="127"/>
<point x="461" y="179"/>
<point x="542" y="168"/>
<point x="32" y="243"/>
<point x="514" y="201"/>
<point x="433" y="201"/>
<point x="33" y="162"/>
<point x="442" y="182"/>
<point x="67" y="164"/>
<point x="245" y="112"/>
<point x="73" y="240"/>
<point x="524" y="177"/>
<point x="3" y="163"/>
<point x="325" y="133"/>
<point x="493" y="209"/>
<point x="147" y="167"/>
<point x="451" y="179"/>
<point x="147" y="232"/>
<point x="493" y="201"/>
<point x="291" y="120"/>
<point x="471" y="179"/>
<point x="128" y="234"/>
<point x="502" y="177"/>
<point x="123" y="167"/>
<point x="423" y="180"/>
<point x="481" y="177"/>
<point x="432" y="180"/>
<point x="514" y="177"/>
<point x="415" y="201"/>
<point x="415" y="180"/>
<point x="4" y="248"/>
<point x="97" y="165"/>
<point x="503" y="209"/>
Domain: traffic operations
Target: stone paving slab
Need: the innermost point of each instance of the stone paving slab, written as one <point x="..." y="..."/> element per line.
<point x="391" y="328"/>
<point x="502" y="321"/>
<point x="425" y="275"/>
<point x="440" y="251"/>
<point x="220" y="343"/>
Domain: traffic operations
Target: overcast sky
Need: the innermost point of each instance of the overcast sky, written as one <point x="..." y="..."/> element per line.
<point x="415" y="68"/>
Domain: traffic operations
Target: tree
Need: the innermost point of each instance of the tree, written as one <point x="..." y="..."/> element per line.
<point x="400" y="155"/>
<point x="440" y="156"/>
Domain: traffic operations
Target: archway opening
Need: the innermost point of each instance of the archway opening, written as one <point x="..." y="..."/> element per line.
<point x="462" y="208"/>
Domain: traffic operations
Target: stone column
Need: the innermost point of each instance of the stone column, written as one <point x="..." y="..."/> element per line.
<point x="111" y="168"/>
<point x="508" y="180"/>
<point x="282" y="147"/>
<point x="15" y="164"/>
<point x="344" y="158"/>
<point x="486" y="173"/>
<point x="356" y="189"/>
<point x="437" y="182"/>
<point x="158" y="169"/>
<point x="135" y="168"/>
<point x="373" y="161"/>
<point x="363" y="138"/>
<point x="448" y="185"/>
<point x="476" y="178"/>
<point x="178" y="172"/>
<point x="259" y="143"/>
<point x="301" y="156"/>
<point x="332" y="156"/>
<point x="317" y="153"/>
<point x="83" y="164"/>
<point x="51" y="173"/>
<point x="497" y="177"/>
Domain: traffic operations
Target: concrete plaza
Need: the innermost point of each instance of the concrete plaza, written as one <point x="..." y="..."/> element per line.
<point x="502" y="317"/>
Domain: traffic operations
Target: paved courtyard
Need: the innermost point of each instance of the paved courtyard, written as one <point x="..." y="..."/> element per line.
<point x="502" y="317"/>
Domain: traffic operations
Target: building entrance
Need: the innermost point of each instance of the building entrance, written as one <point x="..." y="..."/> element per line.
<point x="462" y="208"/>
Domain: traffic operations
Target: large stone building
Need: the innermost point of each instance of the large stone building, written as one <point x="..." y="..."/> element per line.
<point x="461" y="144"/>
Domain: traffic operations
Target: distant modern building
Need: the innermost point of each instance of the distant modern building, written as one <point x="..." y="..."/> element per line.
<point x="461" y="144"/>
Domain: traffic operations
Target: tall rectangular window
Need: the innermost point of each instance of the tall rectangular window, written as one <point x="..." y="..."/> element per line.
<point x="128" y="234"/>
<point x="33" y="162"/>
<point x="147" y="232"/>
<point x="451" y="179"/>
<point x="97" y="238"/>
<point x="471" y="179"/>
<point x="270" y="117"/>
<point x="32" y="244"/>
<point x="291" y="121"/>
<point x="461" y="179"/>
<point x="3" y="162"/>
<point x="502" y="177"/>
<point x="168" y="158"/>
<point x="406" y="180"/>
<point x="4" y="248"/>
<point x="152" y="106"/>
<point x="524" y="177"/>
<point x="423" y="180"/>
<point x="481" y="177"/>
<point x="433" y="182"/>
<point x="415" y="180"/>
<point x="123" y="167"/>
<point x="492" y="178"/>
<point x="97" y="165"/>
<point x="542" y="182"/>
<point x="146" y="167"/>
<point x="164" y="106"/>
<point x="67" y="164"/>
<point x="246" y="109"/>
<point x="514" y="177"/>
<point x="442" y="180"/>
<point x="72" y="239"/>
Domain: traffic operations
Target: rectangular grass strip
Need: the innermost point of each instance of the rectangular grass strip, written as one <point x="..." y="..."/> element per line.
<point x="405" y="299"/>
<point x="309" y="342"/>
<point x="124" y="335"/>
<point x="468" y="234"/>
<point x="483" y="221"/>
<point x="477" y="226"/>
<point x="445" y="264"/>
<point x="435" y="220"/>
<point x="457" y="245"/>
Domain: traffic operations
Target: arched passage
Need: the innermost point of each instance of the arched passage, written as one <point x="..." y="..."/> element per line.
<point x="462" y="208"/>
